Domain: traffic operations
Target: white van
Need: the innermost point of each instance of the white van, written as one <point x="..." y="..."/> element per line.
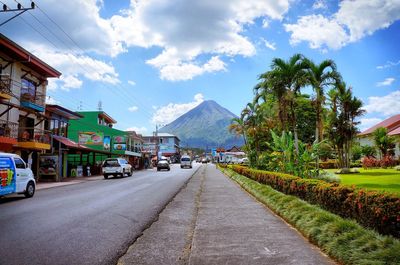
<point x="15" y="176"/>
<point x="186" y="161"/>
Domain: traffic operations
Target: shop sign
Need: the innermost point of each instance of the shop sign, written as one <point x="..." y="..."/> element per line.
<point x="93" y="138"/>
<point x="121" y="139"/>
<point x="120" y="147"/>
<point x="107" y="143"/>
<point x="48" y="165"/>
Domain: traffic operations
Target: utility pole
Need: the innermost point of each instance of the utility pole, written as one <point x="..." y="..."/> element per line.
<point x="19" y="9"/>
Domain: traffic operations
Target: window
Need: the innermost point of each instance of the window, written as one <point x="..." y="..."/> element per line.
<point x="19" y="163"/>
<point x="28" y="89"/>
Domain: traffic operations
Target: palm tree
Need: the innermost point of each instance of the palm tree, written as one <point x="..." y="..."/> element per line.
<point x="345" y="108"/>
<point x="286" y="79"/>
<point x="238" y="127"/>
<point x="383" y="141"/>
<point x="320" y="77"/>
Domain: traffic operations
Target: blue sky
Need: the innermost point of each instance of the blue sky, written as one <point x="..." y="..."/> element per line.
<point x="149" y="61"/>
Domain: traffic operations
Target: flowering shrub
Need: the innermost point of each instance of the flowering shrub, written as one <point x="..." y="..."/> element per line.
<point x="372" y="162"/>
<point x="387" y="161"/>
<point x="371" y="209"/>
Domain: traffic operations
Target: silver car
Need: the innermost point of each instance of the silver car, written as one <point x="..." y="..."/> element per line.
<point x="116" y="167"/>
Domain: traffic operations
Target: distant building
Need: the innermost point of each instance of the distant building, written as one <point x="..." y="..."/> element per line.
<point x="392" y="125"/>
<point x="164" y="144"/>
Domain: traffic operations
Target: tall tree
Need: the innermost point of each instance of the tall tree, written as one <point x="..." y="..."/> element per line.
<point x="321" y="76"/>
<point x="345" y="108"/>
<point x="287" y="78"/>
<point x="383" y="141"/>
<point x="237" y="126"/>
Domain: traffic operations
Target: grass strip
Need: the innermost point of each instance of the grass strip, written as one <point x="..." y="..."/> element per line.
<point x="343" y="240"/>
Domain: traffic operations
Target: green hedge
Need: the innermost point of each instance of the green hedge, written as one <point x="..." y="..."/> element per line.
<point x="376" y="210"/>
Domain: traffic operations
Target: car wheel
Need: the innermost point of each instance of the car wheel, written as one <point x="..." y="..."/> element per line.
<point x="30" y="190"/>
<point x="105" y="176"/>
<point x="169" y="169"/>
<point x="130" y="173"/>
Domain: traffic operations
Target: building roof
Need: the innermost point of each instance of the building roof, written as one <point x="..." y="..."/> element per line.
<point x="71" y="115"/>
<point x="102" y="114"/>
<point x="19" y="54"/>
<point x="391" y="124"/>
<point x="394" y="132"/>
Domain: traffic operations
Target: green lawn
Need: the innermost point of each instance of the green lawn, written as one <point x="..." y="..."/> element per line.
<point x="373" y="179"/>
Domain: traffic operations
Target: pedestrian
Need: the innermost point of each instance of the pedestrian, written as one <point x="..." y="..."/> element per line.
<point x="88" y="169"/>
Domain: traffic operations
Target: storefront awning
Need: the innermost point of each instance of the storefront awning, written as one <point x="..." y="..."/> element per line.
<point x="130" y="153"/>
<point x="79" y="147"/>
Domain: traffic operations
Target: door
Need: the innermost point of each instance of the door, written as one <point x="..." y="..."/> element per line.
<point x="22" y="174"/>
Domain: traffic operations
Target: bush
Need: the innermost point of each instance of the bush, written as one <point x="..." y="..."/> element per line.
<point x="371" y="209"/>
<point x="386" y="161"/>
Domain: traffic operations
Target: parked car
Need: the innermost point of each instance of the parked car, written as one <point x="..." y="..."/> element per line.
<point x="204" y="160"/>
<point x="116" y="167"/>
<point x="163" y="164"/>
<point x="244" y="161"/>
<point x="15" y="176"/>
<point x="186" y="161"/>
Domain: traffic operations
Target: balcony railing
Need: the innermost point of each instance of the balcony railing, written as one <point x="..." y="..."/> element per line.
<point x="5" y="85"/>
<point x="36" y="101"/>
<point x="8" y="129"/>
<point x="29" y="134"/>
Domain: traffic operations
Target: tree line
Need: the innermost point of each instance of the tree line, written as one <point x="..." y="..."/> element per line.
<point x="285" y="125"/>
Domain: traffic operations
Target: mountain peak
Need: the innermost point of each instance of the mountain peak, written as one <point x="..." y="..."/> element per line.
<point x="204" y="126"/>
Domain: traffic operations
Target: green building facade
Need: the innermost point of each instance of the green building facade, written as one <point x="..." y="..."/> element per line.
<point x="95" y="130"/>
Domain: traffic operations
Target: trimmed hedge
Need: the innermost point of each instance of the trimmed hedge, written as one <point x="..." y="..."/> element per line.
<point x="376" y="210"/>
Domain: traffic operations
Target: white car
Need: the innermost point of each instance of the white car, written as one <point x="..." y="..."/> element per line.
<point x="186" y="161"/>
<point x="15" y="176"/>
<point x="116" y="167"/>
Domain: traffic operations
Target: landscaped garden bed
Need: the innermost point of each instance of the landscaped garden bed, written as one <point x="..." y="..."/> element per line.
<point x="342" y="239"/>
<point x="371" y="209"/>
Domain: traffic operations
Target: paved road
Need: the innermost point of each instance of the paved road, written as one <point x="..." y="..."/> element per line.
<point x="87" y="223"/>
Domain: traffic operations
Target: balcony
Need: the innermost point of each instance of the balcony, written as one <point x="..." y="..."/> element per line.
<point x="5" y="87"/>
<point x="33" y="138"/>
<point x="35" y="101"/>
<point x="8" y="132"/>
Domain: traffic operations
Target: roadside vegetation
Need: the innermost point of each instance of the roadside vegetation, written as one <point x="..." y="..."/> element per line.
<point x="300" y="133"/>
<point x="342" y="239"/>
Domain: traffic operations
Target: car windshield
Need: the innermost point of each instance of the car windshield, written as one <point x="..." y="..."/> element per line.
<point x="111" y="163"/>
<point x="185" y="159"/>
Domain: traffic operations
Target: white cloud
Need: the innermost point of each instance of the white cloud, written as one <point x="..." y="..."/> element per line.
<point x="318" y="31"/>
<point x="172" y="111"/>
<point x="133" y="108"/>
<point x="366" y="123"/>
<point x="270" y="45"/>
<point x="140" y="130"/>
<point x="386" y="105"/>
<point x="387" y="82"/>
<point x="388" y="64"/>
<point x="70" y="81"/>
<point x="351" y="23"/>
<point x="320" y="4"/>
<point x="74" y="66"/>
<point x="187" y="29"/>
<point x="189" y="33"/>
<point x="131" y="82"/>
<point x="186" y="71"/>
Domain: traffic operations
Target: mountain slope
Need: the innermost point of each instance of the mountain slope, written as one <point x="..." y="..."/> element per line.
<point x="204" y="126"/>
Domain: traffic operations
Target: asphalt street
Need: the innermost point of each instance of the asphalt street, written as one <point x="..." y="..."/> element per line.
<point x="92" y="222"/>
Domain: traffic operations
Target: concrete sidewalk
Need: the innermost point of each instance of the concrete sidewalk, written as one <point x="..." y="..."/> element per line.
<point x="213" y="221"/>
